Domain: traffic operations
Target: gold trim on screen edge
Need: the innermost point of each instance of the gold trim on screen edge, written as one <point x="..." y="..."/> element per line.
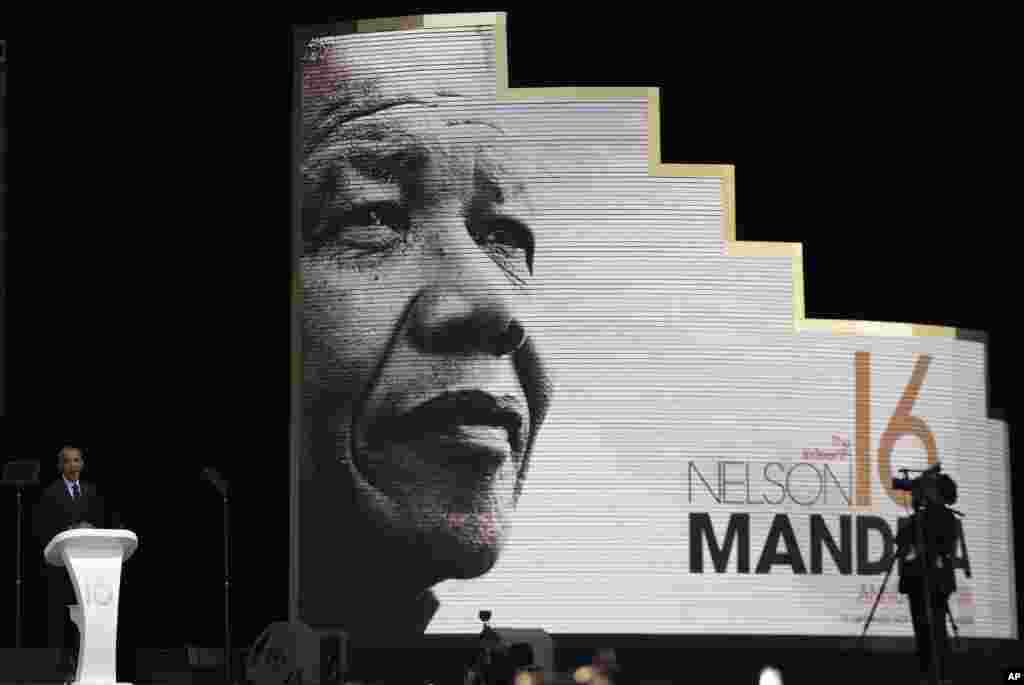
<point x="725" y="172"/>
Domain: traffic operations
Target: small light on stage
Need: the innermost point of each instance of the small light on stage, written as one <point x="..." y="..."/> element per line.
<point x="770" y="676"/>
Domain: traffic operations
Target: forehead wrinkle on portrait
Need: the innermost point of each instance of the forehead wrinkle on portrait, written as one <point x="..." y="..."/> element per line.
<point x="351" y="99"/>
<point x="430" y="158"/>
<point x="330" y="120"/>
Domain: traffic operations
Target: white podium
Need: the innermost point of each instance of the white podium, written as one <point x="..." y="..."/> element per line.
<point x="93" y="558"/>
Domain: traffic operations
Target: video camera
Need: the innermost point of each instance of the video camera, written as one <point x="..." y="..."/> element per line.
<point x="932" y="487"/>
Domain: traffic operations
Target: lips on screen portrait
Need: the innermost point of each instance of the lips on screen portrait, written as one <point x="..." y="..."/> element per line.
<point x="423" y="391"/>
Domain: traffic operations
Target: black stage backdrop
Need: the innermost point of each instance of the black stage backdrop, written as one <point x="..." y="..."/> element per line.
<point x="147" y="263"/>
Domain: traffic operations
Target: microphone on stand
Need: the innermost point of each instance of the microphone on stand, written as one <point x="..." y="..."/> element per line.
<point x="211" y="476"/>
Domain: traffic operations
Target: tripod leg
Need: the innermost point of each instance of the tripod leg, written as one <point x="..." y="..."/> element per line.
<point x="956" y="629"/>
<point x="881" y="591"/>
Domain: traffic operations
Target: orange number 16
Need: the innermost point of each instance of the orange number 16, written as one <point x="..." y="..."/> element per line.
<point x="901" y="423"/>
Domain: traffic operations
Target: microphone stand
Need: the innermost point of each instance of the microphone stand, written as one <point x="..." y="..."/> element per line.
<point x="227" y="593"/>
<point x="214" y="478"/>
<point x="17" y="610"/>
<point x="19" y="474"/>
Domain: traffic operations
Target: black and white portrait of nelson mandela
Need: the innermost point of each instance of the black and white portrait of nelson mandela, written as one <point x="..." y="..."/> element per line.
<point x="422" y="388"/>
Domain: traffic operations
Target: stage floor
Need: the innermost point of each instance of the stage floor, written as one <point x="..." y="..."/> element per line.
<point x="689" y="660"/>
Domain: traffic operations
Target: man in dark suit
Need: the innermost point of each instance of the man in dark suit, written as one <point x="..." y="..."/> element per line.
<point x="68" y="502"/>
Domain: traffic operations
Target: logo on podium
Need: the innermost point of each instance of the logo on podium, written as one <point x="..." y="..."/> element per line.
<point x="99" y="592"/>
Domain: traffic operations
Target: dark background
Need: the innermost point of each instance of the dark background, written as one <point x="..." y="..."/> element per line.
<point x="148" y="250"/>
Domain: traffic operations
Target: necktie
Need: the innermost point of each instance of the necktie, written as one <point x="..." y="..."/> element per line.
<point x="74" y="490"/>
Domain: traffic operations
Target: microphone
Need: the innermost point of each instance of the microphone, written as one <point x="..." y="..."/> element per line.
<point x="211" y="476"/>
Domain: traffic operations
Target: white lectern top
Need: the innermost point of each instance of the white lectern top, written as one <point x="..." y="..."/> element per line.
<point x="100" y="539"/>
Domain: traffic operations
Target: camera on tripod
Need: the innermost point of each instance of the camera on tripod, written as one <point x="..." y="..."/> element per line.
<point x="927" y="554"/>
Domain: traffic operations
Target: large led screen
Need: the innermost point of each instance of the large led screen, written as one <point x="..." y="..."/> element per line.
<point x="536" y="374"/>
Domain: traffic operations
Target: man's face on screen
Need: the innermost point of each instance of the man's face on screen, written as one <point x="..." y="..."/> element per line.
<point x="420" y="384"/>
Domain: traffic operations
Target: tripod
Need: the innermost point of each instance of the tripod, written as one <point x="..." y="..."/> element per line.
<point x="920" y="549"/>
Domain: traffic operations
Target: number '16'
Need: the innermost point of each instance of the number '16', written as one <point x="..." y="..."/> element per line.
<point x="901" y="423"/>
<point x="97" y="592"/>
